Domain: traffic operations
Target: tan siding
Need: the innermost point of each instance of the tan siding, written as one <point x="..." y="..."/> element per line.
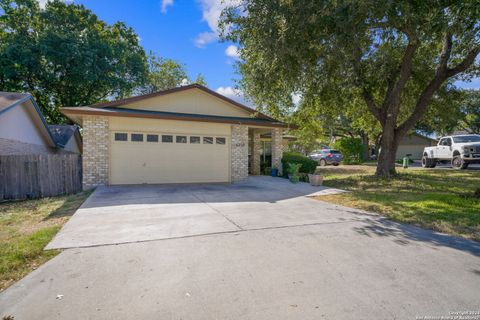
<point x="17" y="124"/>
<point x="191" y="101"/>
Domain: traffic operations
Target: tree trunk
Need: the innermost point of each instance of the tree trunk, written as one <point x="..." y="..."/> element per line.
<point x="387" y="152"/>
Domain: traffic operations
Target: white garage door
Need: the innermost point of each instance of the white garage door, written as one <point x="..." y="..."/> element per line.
<point x="168" y="158"/>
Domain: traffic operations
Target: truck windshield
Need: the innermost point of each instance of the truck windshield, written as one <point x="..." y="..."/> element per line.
<point x="464" y="139"/>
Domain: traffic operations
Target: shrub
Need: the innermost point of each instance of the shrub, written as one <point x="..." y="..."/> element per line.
<point x="294" y="168"/>
<point x="351" y="148"/>
<point x="307" y="165"/>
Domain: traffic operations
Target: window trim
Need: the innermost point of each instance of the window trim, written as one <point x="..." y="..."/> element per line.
<point x="152" y="135"/>
<point x="136" y="134"/>
<point x="224" y="141"/>
<point x="167" y="135"/>
<point x="120" y="133"/>
<point x="208" y="137"/>
<point x="181" y="136"/>
<point x="199" y="139"/>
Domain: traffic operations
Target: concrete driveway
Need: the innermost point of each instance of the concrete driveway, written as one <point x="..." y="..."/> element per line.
<point x="255" y="250"/>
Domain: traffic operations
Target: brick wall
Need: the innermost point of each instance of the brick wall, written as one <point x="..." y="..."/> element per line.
<point x="277" y="148"/>
<point x="95" y="151"/>
<point x="239" y="157"/>
<point x="256" y="156"/>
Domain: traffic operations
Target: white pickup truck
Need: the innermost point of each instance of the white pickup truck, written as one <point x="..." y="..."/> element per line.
<point x="460" y="151"/>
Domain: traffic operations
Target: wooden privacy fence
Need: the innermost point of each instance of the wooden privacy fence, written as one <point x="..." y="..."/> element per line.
<point x="39" y="175"/>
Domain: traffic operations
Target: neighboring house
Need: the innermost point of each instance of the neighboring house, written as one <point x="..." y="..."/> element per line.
<point x="182" y="135"/>
<point x="23" y="129"/>
<point x="413" y="144"/>
<point x="68" y="137"/>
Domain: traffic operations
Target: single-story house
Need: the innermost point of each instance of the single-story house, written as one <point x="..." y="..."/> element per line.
<point x="23" y="129"/>
<point x="188" y="134"/>
<point x="414" y="144"/>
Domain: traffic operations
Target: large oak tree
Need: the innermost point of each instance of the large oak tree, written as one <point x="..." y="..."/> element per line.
<point x="387" y="59"/>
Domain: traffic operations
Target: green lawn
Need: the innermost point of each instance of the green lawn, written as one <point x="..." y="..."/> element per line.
<point x="442" y="200"/>
<point x="25" y="229"/>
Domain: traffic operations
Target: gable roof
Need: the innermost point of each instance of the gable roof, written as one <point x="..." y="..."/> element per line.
<point x="63" y="133"/>
<point x="126" y="112"/>
<point x="10" y="100"/>
<point x="114" y="108"/>
<point x="125" y="101"/>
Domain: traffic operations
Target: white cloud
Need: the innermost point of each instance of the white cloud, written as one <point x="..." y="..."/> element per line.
<point x="234" y="94"/>
<point x="166" y="4"/>
<point x="205" y="38"/>
<point x="232" y="52"/>
<point x="211" y="11"/>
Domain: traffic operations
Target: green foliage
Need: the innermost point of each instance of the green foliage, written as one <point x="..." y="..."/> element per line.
<point x="200" y="79"/>
<point x="293" y="168"/>
<point x="470" y="110"/>
<point x="351" y="148"/>
<point x="163" y="74"/>
<point x="65" y="56"/>
<point x="307" y="165"/>
<point x="380" y="64"/>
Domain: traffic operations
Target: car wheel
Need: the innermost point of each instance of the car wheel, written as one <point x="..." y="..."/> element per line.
<point x="323" y="163"/>
<point x="425" y="162"/>
<point x="458" y="163"/>
<point x="336" y="164"/>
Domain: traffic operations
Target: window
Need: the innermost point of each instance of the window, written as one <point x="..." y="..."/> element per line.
<point x="464" y="139"/>
<point x="121" y="137"/>
<point x="442" y="142"/>
<point x="449" y="141"/>
<point x="207" y="140"/>
<point x="194" y="139"/>
<point x="181" y="139"/>
<point x="152" y="137"/>
<point x="167" y="138"/>
<point x="220" y="140"/>
<point x="137" y="137"/>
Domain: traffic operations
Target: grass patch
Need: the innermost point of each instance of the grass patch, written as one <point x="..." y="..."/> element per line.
<point x="26" y="227"/>
<point x="442" y="200"/>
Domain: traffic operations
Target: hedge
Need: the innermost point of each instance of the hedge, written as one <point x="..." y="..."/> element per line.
<point x="307" y="165"/>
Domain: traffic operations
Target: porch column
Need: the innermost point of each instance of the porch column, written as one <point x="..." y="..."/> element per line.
<point x="277" y="149"/>
<point x="256" y="156"/>
<point x="239" y="156"/>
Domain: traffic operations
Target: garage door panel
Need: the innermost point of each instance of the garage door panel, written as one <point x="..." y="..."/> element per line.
<point x="157" y="162"/>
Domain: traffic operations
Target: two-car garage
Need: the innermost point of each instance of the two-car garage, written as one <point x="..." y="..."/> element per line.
<point x="176" y="155"/>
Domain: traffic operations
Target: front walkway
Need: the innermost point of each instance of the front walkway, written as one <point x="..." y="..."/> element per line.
<point x="257" y="250"/>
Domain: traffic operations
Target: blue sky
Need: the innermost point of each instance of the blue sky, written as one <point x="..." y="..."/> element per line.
<point x="186" y="31"/>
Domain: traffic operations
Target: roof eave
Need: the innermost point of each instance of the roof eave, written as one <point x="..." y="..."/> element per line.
<point x="71" y="111"/>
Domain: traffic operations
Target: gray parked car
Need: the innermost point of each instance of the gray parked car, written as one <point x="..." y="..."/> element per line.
<point x="326" y="156"/>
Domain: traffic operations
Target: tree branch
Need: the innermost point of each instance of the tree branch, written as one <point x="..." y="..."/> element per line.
<point x="465" y="64"/>
<point x="372" y="106"/>
<point x="392" y="97"/>
<point x="442" y="73"/>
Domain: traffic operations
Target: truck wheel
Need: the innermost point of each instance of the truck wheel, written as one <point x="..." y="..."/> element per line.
<point x="433" y="163"/>
<point x="458" y="163"/>
<point x="426" y="162"/>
